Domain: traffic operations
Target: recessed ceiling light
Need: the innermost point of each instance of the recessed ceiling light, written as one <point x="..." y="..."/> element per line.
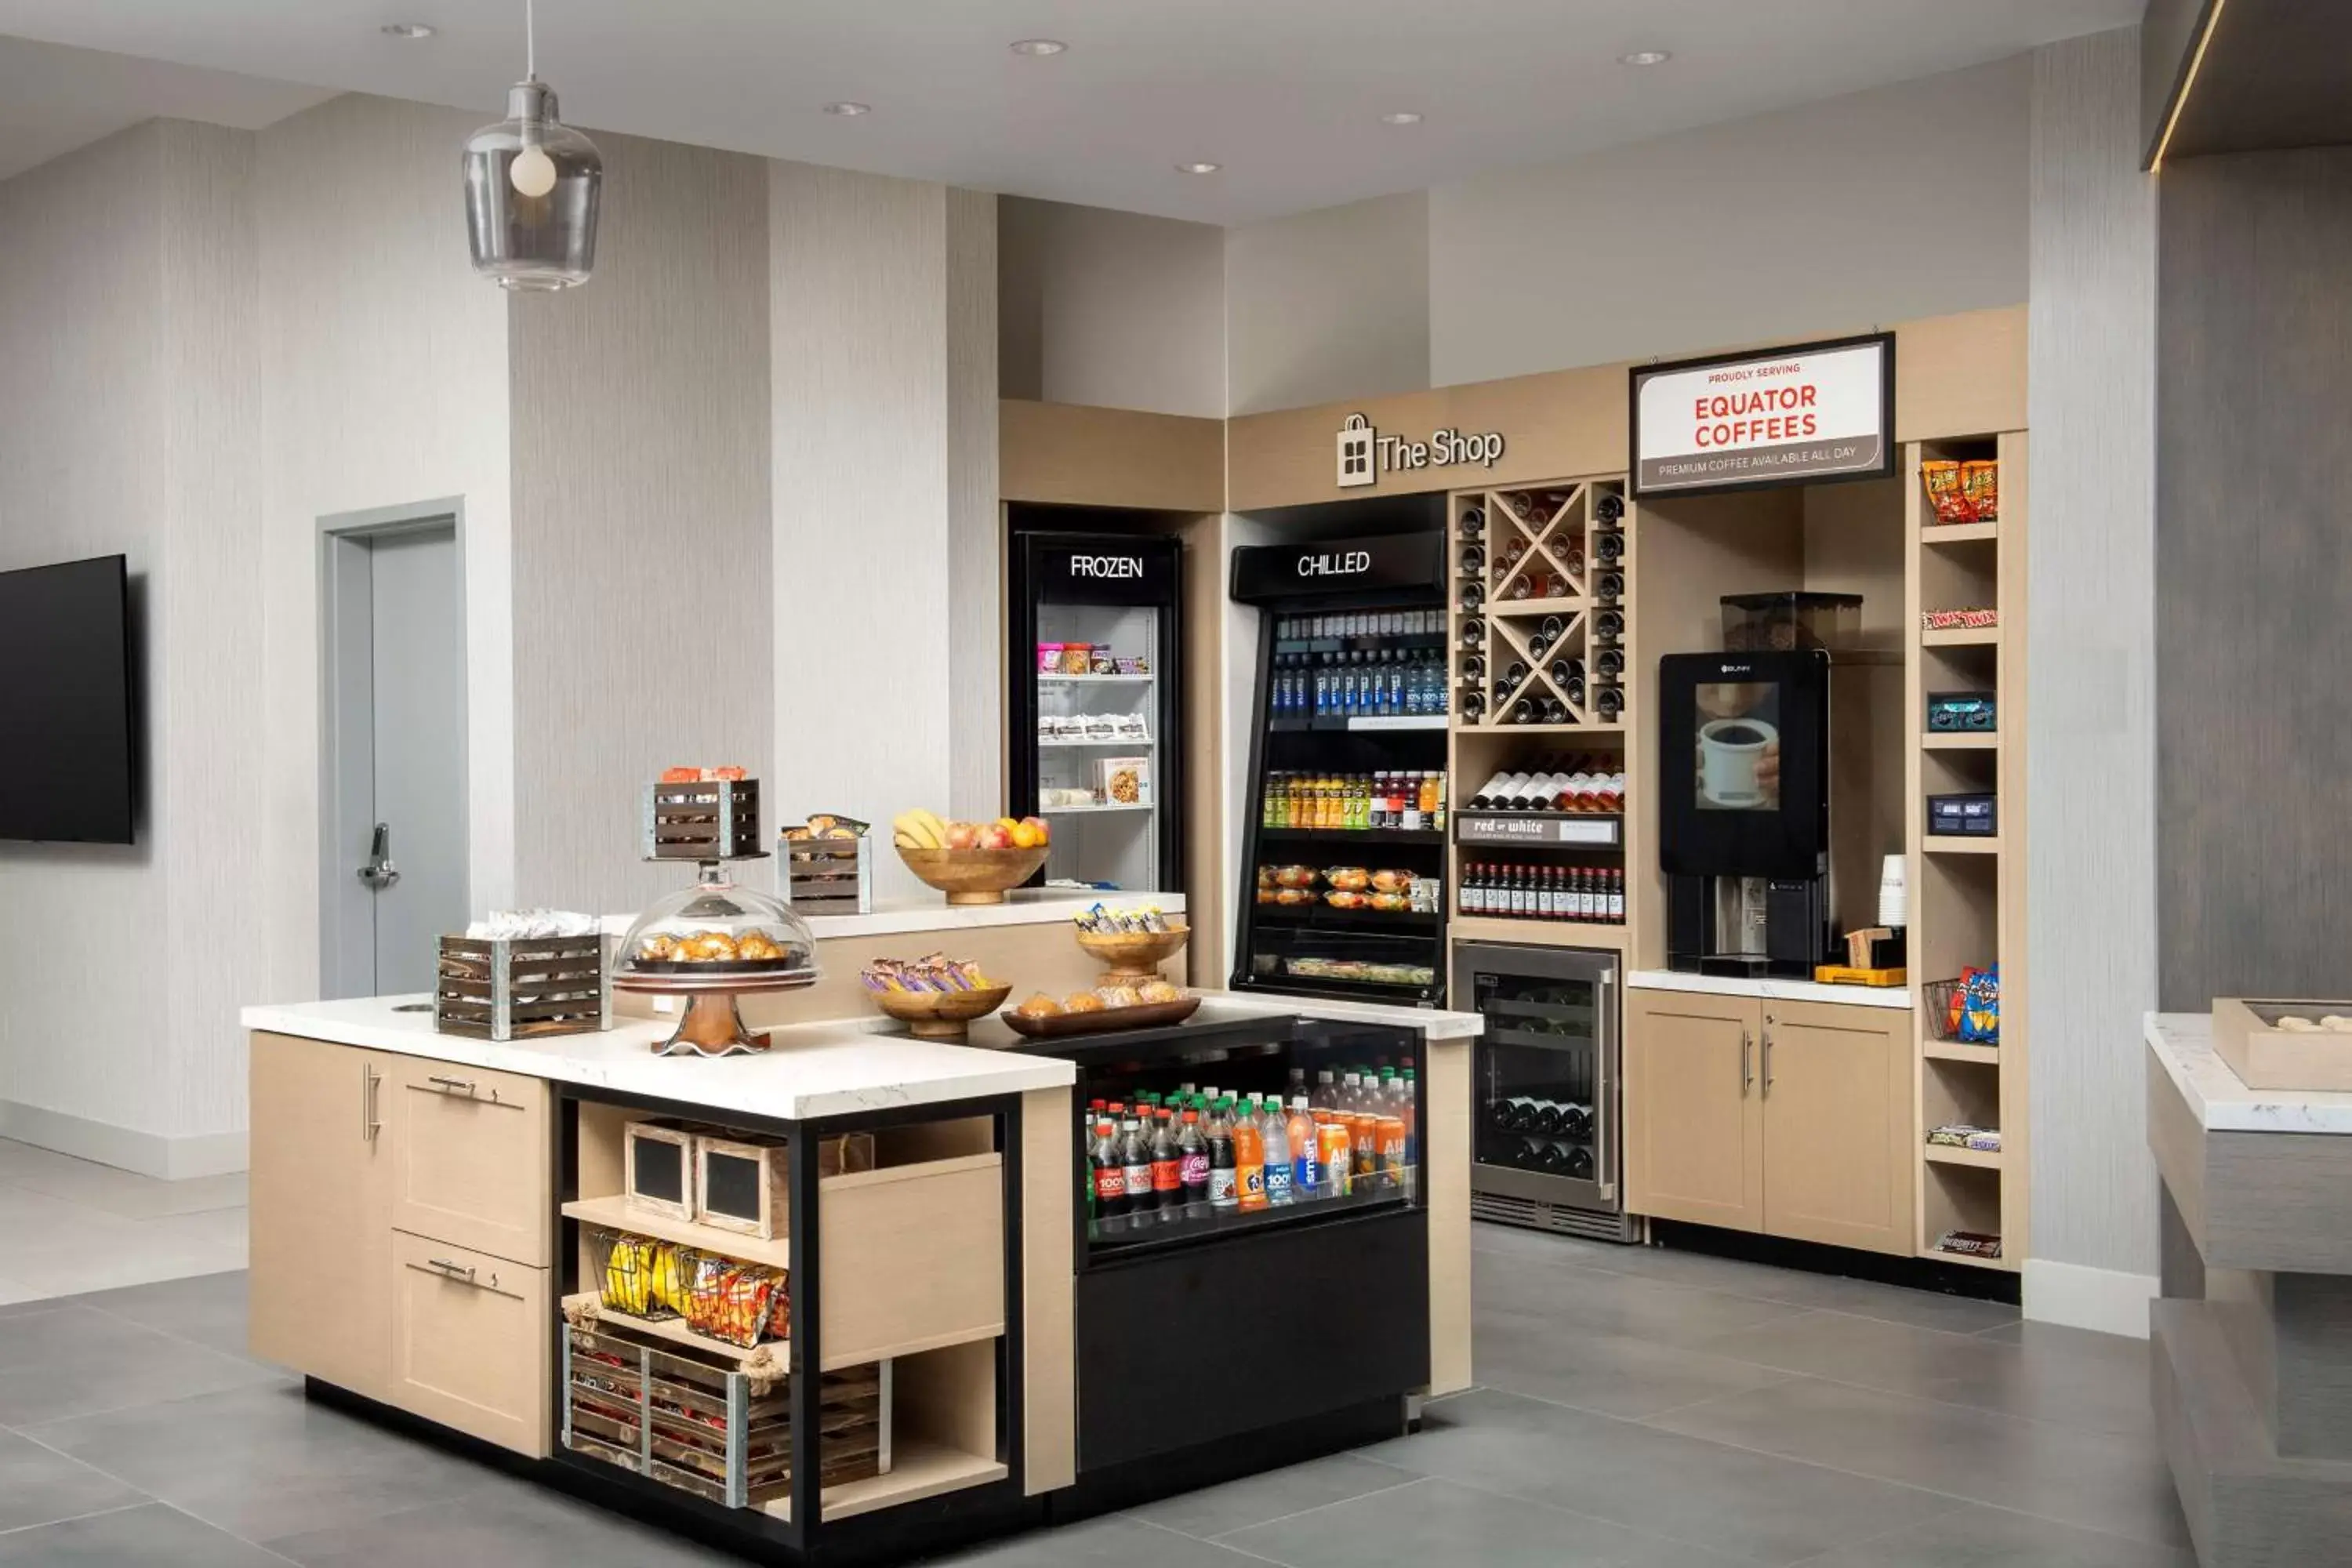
<point x="849" y="109"/>
<point x="1401" y="117"/>
<point x="1198" y="168"/>
<point x="1036" y="49"/>
<point x="411" y="30"/>
<point x="1646" y="58"/>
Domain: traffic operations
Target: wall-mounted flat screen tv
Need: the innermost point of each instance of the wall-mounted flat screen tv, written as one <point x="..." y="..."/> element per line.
<point x="66" y="753"/>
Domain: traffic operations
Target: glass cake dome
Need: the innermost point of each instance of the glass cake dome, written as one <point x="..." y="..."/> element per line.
<point x="717" y="927"/>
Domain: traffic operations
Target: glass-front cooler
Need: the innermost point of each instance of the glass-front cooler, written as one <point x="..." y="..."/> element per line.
<point x="1204" y="1237"/>
<point x="1547" y="1140"/>
<point x="1094" y="707"/>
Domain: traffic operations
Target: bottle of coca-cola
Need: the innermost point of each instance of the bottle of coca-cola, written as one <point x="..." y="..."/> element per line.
<point x="1110" y="1167"/>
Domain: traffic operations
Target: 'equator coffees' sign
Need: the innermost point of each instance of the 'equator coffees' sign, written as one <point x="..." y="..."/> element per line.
<point x="1796" y="415"/>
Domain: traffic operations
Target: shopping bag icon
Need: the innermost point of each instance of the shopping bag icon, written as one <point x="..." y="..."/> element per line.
<point x="1356" y="437"/>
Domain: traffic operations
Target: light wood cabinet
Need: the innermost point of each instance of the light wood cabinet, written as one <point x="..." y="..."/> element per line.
<point x="1694" y="1120"/>
<point x="1837" y="1097"/>
<point x="1790" y="1118"/>
<point x="321" y="1205"/>
<point x="471" y="1342"/>
<point x="470" y="1158"/>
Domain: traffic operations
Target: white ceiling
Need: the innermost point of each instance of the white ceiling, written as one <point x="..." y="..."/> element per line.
<point x="54" y="99"/>
<point x="1285" y="93"/>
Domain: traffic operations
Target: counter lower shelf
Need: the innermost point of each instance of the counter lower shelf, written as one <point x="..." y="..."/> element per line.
<point x="616" y="1214"/>
<point x="919" y="1469"/>
<point x="674" y="1330"/>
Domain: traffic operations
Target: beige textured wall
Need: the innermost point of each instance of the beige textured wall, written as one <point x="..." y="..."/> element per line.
<point x="1111" y="308"/>
<point x="82" y="419"/>
<point x="1329" y="304"/>
<point x="639" y="406"/>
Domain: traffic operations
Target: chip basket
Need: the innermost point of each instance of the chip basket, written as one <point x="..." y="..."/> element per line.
<point x="1937" y="998"/>
<point x="509" y="988"/>
<point x="826" y="875"/>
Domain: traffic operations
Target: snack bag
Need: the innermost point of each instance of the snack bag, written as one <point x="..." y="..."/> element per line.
<point x="1980" y="484"/>
<point x="1981" y="1006"/>
<point x="1942" y="477"/>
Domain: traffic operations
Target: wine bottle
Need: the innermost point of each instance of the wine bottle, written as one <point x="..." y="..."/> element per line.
<point x="1548" y="1118"/>
<point x="1555" y="711"/>
<point x="1515" y="674"/>
<point x="1474" y="706"/>
<point x="1474" y="559"/>
<point x="1489" y="792"/>
<point x="1524" y="711"/>
<point x="1474" y="523"/>
<point x="1609" y="703"/>
<point x="1473" y="666"/>
<point x="1609" y="508"/>
<point x="1609" y="626"/>
<point x="1474" y="599"/>
<point x="1608" y="548"/>
<point x="1576" y="1122"/>
<point x="1609" y="587"/>
<point x="1608" y="663"/>
<point x="1473" y="633"/>
<point x="1579" y="1164"/>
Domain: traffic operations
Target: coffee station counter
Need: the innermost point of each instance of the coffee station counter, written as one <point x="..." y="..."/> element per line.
<point x="1770" y="989"/>
<point x="437" y="1221"/>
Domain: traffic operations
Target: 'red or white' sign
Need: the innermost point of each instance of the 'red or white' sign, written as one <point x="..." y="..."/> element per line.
<point x="1793" y="415"/>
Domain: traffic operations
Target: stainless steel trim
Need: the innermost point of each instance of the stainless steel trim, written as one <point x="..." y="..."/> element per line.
<point x="1747" y="1060"/>
<point x="1604" y="1108"/>
<point x="1768" y="1058"/>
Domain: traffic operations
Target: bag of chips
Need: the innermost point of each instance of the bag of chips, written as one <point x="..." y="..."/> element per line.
<point x="1942" y="477"/>
<point x="1980" y="487"/>
<point x="1979" y="999"/>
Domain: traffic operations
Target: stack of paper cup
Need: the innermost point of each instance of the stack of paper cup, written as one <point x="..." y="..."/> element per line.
<point x="1893" y="897"/>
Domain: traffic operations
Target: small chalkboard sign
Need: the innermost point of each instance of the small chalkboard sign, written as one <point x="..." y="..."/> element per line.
<point x="741" y="1184"/>
<point x="658" y="1168"/>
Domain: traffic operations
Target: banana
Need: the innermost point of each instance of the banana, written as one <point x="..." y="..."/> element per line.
<point x="919" y="829"/>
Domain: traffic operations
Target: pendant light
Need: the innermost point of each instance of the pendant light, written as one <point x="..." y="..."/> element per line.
<point x="531" y="188"/>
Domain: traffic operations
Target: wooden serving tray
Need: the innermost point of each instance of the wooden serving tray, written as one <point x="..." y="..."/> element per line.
<point x="1108" y="1021"/>
<point x="2246" y="1036"/>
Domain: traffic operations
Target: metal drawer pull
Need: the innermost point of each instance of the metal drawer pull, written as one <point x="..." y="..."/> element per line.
<point x="1747" y="1062"/>
<point x="448" y="1265"/>
<point x="370" y="1124"/>
<point x="1768" y="1062"/>
<point x="451" y="1085"/>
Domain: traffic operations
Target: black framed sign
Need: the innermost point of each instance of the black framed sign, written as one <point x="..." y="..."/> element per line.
<point x="1804" y="415"/>
<point x="1387" y="562"/>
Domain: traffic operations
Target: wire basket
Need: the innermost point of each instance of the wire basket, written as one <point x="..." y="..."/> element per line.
<point x="638" y="1277"/>
<point x="1938" y="997"/>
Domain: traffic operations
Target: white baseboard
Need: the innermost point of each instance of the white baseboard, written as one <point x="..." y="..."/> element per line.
<point x="2106" y="1301"/>
<point x="126" y="1148"/>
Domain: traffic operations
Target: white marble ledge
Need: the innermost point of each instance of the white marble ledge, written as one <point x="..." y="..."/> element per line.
<point x="2182" y="1045"/>
<point x="910" y="913"/>
<point x="810" y="1069"/>
<point x="1772" y="990"/>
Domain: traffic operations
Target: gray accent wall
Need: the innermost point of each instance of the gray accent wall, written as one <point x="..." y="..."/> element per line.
<point x="2254" y="576"/>
<point x="2090" y="887"/>
<point x="641" y="519"/>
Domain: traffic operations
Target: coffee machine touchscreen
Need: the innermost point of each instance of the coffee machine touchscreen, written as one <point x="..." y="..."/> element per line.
<point x="1737" y="741"/>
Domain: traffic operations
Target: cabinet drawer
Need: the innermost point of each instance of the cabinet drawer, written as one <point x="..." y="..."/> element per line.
<point x="470" y="1159"/>
<point x="471" y="1342"/>
<point x="911" y="1257"/>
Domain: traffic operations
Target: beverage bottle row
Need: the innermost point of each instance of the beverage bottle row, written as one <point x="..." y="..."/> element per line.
<point x="1594" y="894"/>
<point x="1555" y="1158"/>
<point x="1369" y="802"/>
<point x="1361" y="623"/>
<point x="1545" y="1118"/>
<point x="1361" y="683"/>
<point x="1585" y="786"/>
<point x="1196" y="1154"/>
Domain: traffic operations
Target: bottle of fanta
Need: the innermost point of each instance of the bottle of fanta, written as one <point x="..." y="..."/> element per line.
<point x="1249" y="1158"/>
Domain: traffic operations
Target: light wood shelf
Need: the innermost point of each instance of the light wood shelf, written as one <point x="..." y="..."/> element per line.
<point x="917" y="1470"/>
<point x="1961" y="637"/>
<point x="1980" y="1159"/>
<point x="613" y="1213"/>
<point x="1537" y="934"/>
<point x="1959" y="843"/>
<point x="1961" y="1051"/>
<point x="674" y="1330"/>
<point x="1959" y="532"/>
<point x="1961" y="740"/>
<point x="2002" y="1265"/>
<point x="1520" y="609"/>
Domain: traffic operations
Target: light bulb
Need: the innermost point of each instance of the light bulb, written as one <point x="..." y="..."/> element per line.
<point x="532" y="172"/>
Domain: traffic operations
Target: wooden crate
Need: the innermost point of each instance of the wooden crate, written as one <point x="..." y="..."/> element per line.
<point x="827" y="876"/>
<point x="509" y="988"/>
<point x="2247" y="1035"/>
<point x="716" y="819"/>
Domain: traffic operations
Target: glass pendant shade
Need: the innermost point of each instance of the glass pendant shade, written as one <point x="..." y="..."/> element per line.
<point x="531" y="190"/>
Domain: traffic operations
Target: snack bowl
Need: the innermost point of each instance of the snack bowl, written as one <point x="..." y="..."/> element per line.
<point x="974" y="876"/>
<point x="1133" y="957"/>
<point x="940" y="1014"/>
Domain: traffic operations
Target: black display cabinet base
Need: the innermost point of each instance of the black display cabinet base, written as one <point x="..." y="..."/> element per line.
<point x="1266" y="1448"/>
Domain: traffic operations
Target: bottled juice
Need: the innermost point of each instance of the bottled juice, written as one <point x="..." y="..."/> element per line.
<point x="1249" y="1158"/>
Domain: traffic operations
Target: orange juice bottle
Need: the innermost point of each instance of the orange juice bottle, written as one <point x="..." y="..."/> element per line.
<point x="1249" y="1158"/>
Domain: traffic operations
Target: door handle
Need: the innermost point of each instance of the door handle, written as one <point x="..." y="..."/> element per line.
<point x="379" y="873"/>
<point x="1747" y="1061"/>
<point x="1768" y="1058"/>
<point x="369" y="1125"/>
<point x="461" y="1273"/>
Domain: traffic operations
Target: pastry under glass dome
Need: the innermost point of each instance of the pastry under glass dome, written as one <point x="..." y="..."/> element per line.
<point x="711" y="942"/>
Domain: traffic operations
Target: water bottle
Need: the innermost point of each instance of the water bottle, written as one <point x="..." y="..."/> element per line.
<point x="1279" y="1170"/>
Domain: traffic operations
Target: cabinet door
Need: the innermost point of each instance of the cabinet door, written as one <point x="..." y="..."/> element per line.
<point x="470" y="1160"/>
<point x="1838" y="1161"/>
<point x="472" y="1342"/>
<point x="1694" y="1133"/>
<point x="321" y="1251"/>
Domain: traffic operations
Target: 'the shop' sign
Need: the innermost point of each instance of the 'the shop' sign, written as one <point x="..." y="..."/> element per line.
<point x="1365" y="454"/>
<point x="1797" y="416"/>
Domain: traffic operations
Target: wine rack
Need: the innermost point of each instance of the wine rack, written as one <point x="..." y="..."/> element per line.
<point x="1540" y="587"/>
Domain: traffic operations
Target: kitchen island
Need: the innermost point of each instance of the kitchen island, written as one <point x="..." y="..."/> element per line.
<point x="433" y="1220"/>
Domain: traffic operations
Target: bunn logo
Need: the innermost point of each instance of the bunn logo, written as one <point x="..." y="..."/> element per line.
<point x="1355" y="460"/>
<point x="1105" y="567"/>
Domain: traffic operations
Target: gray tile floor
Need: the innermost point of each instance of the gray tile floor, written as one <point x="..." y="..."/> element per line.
<point x="1637" y="1409"/>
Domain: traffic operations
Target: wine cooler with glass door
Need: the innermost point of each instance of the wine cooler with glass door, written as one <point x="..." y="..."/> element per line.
<point x="1548" y="1144"/>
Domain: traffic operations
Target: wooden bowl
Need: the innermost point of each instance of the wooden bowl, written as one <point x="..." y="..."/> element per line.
<point x="940" y="1014"/>
<point x="1108" y="1019"/>
<point x="1133" y="957"/>
<point x="974" y="876"/>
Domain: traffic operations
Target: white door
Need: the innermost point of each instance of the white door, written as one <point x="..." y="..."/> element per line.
<point x="395" y="879"/>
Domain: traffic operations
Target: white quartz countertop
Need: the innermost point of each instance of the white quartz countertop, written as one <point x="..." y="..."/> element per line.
<point x="930" y="911"/>
<point x="835" y="1068"/>
<point x="1897" y="996"/>
<point x="2182" y="1045"/>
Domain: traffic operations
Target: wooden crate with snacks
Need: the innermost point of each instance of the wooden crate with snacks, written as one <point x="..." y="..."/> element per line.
<point x="511" y="988"/>
<point x="702" y="819"/>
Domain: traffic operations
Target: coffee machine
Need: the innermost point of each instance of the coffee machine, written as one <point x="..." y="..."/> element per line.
<point x="1772" y="811"/>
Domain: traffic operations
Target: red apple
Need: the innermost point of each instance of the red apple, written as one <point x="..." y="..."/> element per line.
<point x="994" y="836"/>
<point x="962" y="835"/>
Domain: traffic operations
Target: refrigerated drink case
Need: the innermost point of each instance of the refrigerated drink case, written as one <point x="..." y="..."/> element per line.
<point x="1095" y="714"/>
<point x="1547" y="1147"/>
